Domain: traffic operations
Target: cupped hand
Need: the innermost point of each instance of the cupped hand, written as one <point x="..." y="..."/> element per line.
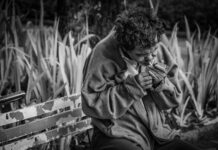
<point x="144" y="80"/>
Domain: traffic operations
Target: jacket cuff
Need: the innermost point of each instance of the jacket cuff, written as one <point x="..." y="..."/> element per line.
<point x="165" y="85"/>
<point x="133" y="88"/>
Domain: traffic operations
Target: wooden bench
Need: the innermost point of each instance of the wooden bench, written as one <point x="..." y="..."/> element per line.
<point x="41" y="123"/>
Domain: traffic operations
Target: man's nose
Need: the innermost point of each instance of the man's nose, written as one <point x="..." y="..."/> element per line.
<point x="149" y="57"/>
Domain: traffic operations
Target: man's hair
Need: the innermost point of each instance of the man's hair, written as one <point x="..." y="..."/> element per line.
<point x="138" y="27"/>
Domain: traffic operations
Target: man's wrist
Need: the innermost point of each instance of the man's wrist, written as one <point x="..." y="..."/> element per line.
<point x="138" y="84"/>
<point x="159" y="86"/>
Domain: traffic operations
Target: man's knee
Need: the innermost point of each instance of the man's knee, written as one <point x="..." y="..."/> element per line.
<point x="104" y="142"/>
<point x="122" y="144"/>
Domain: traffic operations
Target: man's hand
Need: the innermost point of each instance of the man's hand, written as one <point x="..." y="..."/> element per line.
<point x="144" y="80"/>
<point x="158" y="73"/>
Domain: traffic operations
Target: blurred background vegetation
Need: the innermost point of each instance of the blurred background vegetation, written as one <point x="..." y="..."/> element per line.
<point x="101" y="13"/>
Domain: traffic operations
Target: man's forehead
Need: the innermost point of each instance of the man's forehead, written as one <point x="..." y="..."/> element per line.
<point x="141" y="50"/>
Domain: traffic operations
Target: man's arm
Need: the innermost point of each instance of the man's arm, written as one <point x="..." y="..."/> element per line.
<point x="168" y="93"/>
<point x="103" y="97"/>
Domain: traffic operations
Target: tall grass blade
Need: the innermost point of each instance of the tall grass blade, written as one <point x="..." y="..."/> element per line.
<point x="151" y="4"/>
<point x="199" y="32"/>
<point x="188" y="32"/>
<point x="175" y="48"/>
<point x="190" y="89"/>
<point x="32" y="84"/>
<point x="62" y="58"/>
<point x="41" y="13"/>
<point x="182" y="118"/>
<point x="8" y="64"/>
<point x="190" y="63"/>
<point x="84" y="39"/>
<point x="54" y="67"/>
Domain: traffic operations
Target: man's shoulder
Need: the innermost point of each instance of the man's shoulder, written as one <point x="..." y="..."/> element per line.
<point x="107" y="48"/>
<point x="107" y="52"/>
<point x="107" y="44"/>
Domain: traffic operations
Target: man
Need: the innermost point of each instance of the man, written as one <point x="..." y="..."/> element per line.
<point x="129" y="82"/>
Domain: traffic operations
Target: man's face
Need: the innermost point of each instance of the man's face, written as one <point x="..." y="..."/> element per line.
<point x="143" y="56"/>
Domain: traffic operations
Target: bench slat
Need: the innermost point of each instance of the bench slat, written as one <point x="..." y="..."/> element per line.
<point x="42" y="138"/>
<point x="13" y="97"/>
<point x="39" y="109"/>
<point x="40" y="124"/>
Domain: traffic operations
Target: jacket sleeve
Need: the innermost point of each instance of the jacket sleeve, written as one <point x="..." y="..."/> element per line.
<point x="168" y="94"/>
<point x="105" y="98"/>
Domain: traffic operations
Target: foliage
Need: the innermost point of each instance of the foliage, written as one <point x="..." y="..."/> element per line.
<point x="45" y="65"/>
<point x="201" y="11"/>
<point x="198" y="60"/>
<point x="11" y="77"/>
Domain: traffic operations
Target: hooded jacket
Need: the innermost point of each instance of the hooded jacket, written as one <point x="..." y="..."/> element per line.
<point x="117" y="104"/>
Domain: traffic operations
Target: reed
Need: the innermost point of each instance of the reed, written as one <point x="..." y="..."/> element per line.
<point x="197" y="72"/>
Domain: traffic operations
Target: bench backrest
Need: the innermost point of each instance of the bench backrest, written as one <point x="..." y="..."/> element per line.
<point x="41" y="123"/>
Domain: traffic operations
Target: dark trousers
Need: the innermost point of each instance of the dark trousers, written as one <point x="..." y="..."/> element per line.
<point x="103" y="142"/>
<point x="176" y="145"/>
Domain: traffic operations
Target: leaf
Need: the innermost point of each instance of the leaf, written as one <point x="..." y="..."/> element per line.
<point x="207" y="41"/>
<point x="45" y="68"/>
<point x="41" y="13"/>
<point x="182" y="121"/>
<point x="6" y="70"/>
<point x="83" y="40"/>
<point x="151" y="4"/>
<point x="199" y="31"/>
<point x="31" y="38"/>
<point x="175" y="48"/>
<point x="59" y="90"/>
<point x="62" y="58"/>
<point x="186" y="118"/>
<point x="189" y="87"/>
<point x="165" y="40"/>
<point x="31" y="85"/>
<point x="54" y="66"/>
<point x="188" y="32"/>
<point x="190" y="63"/>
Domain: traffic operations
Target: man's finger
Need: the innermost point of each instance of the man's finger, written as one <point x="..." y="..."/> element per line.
<point x="144" y="74"/>
<point x="149" y="86"/>
<point x="147" y="82"/>
<point x="152" y="74"/>
<point x="146" y="78"/>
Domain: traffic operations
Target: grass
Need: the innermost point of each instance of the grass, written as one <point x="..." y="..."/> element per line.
<point x="197" y="73"/>
<point x="49" y="65"/>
